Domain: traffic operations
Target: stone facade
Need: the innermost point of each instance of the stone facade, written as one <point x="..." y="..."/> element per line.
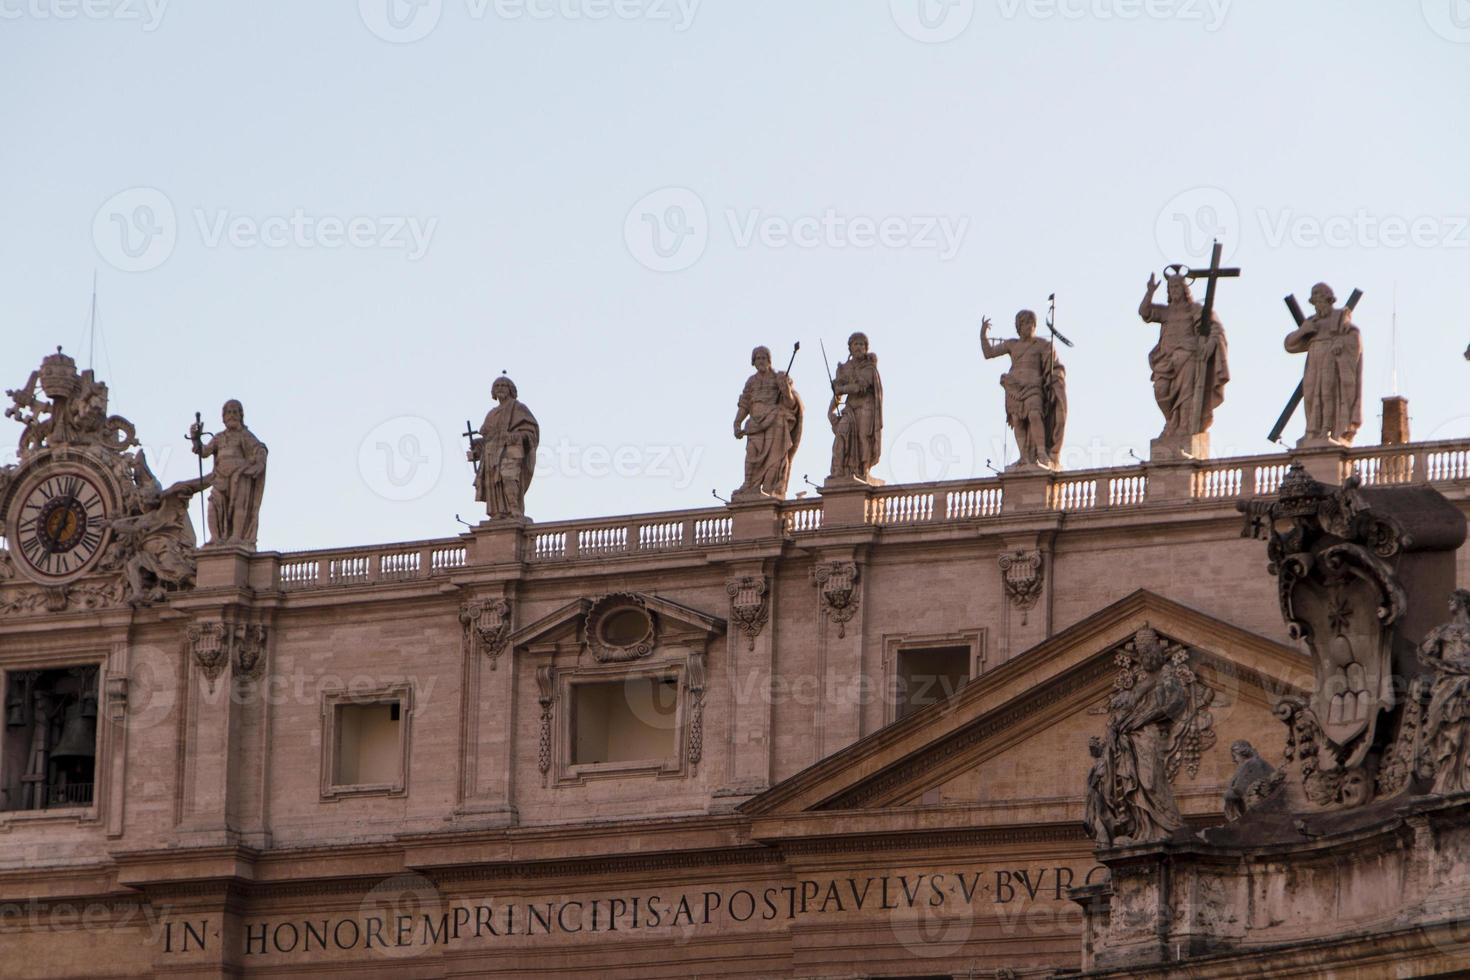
<point x="795" y="805"/>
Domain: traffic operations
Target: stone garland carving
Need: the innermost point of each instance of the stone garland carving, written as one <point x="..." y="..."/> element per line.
<point x="487" y="627"/>
<point x="606" y="649"/>
<point x="1159" y="724"/>
<point x="837" y="582"/>
<point x="1023" y="573"/>
<point x="696" y="675"/>
<point x="546" y="695"/>
<point x="750" y="606"/>
<point x="117" y="698"/>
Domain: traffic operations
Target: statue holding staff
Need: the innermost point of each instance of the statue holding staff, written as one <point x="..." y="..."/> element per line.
<point x="1333" y="383"/>
<point x="238" y="480"/>
<point x="769" y="418"/>
<point x="1036" y="392"/>
<point x="856" y="414"/>
<point x="505" y="453"/>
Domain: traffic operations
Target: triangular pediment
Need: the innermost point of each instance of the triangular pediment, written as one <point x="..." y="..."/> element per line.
<point x="1033" y="714"/>
<point x="568" y="622"/>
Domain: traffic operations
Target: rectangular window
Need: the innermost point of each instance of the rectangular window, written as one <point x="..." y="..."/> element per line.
<point x="625" y="721"/>
<point x="930" y="675"/>
<point x="49" y="755"/>
<point x="369" y="744"/>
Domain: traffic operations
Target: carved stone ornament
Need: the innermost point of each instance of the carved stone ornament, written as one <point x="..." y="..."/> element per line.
<point x="1254" y="780"/>
<point x="837" y="581"/>
<point x="205" y="642"/>
<point x="1159" y="724"/>
<point x="87" y="523"/>
<point x="250" y="651"/>
<point x="696" y="707"/>
<point x="1023" y="573"/>
<point x="1441" y="731"/>
<point x="1345" y="559"/>
<point x="750" y="606"/>
<point x="546" y="696"/>
<point x="216" y="645"/>
<point x="487" y="627"/>
<point x="620" y="628"/>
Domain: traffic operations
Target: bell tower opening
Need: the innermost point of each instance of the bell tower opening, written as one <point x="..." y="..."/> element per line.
<point x="48" y="754"/>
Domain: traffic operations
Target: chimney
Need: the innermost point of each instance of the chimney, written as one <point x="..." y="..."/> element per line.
<point x="1395" y="420"/>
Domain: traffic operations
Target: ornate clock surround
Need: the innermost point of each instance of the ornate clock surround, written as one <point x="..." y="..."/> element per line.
<point x="54" y="512"/>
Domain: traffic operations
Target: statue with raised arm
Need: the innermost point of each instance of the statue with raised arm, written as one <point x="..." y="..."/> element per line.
<point x="238" y="480"/>
<point x="1036" y="392"/>
<point x="1333" y="384"/>
<point x="769" y="418"/>
<point x="505" y="451"/>
<point x="1190" y="367"/>
<point x="856" y="414"/>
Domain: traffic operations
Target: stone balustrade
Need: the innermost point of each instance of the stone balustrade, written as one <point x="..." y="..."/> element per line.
<point x="1207" y="484"/>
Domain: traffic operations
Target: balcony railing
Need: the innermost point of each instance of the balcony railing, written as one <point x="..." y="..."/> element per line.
<point x="898" y="508"/>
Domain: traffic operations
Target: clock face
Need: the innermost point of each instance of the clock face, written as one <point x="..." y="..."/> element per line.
<point x="57" y="525"/>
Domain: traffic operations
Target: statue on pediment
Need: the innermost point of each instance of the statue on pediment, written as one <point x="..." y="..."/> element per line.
<point x="1158" y="725"/>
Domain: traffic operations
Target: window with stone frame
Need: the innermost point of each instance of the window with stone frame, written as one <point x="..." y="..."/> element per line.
<point x="365" y="742"/>
<point x="624" y="720"/>
<point x="924" y="670"/>
<point x="48" y="749"/>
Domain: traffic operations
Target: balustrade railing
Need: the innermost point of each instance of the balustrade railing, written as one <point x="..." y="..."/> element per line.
<point x="889" y="507"/>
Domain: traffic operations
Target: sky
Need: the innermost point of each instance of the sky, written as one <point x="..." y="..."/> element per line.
<point x="353" y="216"/>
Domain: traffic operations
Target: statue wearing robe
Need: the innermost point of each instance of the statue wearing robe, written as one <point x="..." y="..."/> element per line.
<point x="1333" y="384"/>
<point x="857" y="421"/>
<point x="1036" y="392"/>
<point x="769" y="418"/>
<point x="238" y="481"/>
<point x="506" y="452"/>
<point x="1183" y="361"/>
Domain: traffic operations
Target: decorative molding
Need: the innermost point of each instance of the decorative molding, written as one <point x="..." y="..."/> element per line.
<point x="837" y="582"/>
<point x="750" y="604"/>
<point x="607" y="651"/>
<point x="546" y="695"/>
<point x="1023" y="574"/>
<point x="205" y="642"/>
<point x="696" y="681"/>
<point x="250" y="648"/>
<point x="487" y="627"/>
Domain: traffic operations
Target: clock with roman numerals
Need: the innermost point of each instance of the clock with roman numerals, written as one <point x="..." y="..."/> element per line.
<point x="57" y="522"/>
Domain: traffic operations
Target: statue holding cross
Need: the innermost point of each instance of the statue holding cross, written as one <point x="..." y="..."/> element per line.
<point x="1332" y="385"/>
<point x="1190" y="362"/>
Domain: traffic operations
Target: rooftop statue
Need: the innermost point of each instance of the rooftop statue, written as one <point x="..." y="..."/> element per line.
<point x="856" y="414"/>
<point x="769" y="418"/>
<point x="1036" y="392"/>
<point x="504" y="451"/>
<point x="238" y="481"/>
<point x="1333" y="384"/>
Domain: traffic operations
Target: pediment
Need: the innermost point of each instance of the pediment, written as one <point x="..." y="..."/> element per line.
<point x="1021" y="730"/>
<point x="570" y="623"/>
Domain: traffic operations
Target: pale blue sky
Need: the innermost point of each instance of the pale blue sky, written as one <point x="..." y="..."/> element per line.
<point x="1064" y="146"/>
